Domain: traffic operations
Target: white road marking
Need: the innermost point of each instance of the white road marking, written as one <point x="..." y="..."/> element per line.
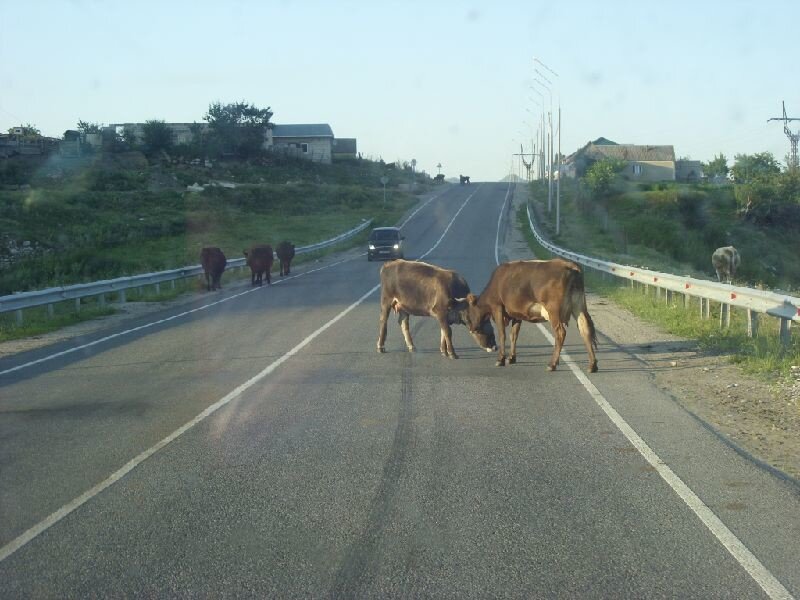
<point x="43" y="525"/>
<point x="754" y="567"/>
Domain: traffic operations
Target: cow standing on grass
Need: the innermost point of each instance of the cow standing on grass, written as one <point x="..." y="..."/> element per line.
<point x="213" y="261"/>
<point x="726" y="261"/>
<point x="417" y="288"/>
<point x="534" y="291"/>
<point x="285" y="252"/>
<point x="259" y="259"/>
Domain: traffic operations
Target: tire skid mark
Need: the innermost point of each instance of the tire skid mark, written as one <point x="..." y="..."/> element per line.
<point x="359" y="566"/>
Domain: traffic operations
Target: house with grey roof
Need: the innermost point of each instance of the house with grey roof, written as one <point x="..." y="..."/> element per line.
<point x="642" y="162"/>
<point x="309" y="141"/>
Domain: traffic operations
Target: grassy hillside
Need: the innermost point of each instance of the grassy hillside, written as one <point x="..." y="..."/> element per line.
<point x="112" y="215"/>
<point x="673" y="227"/>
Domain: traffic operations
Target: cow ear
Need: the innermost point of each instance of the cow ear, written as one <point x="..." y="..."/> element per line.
<point x="471" y="299"/>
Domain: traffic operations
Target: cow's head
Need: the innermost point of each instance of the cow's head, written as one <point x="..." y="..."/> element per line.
<point x="465" y="311"/>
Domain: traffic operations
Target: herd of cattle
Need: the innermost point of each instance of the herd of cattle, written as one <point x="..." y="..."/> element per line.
<point x="259" y="259"/>
<point x="524" y="290"/>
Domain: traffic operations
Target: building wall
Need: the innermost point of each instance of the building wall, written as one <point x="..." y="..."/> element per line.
<point x="650" y="170"/>
<point x="319" y="149"/>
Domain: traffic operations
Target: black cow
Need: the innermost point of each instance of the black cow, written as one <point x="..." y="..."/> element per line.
<point x="214" y="262"/>
<point x="463" y="179"/>
<point x="259" y="259"/>
<point x="417" y="288"/>
<point x="285" y="252"/>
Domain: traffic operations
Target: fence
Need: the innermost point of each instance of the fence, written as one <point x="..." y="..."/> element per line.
<point x="48" y="297"/>
<point x="785" y="308"/>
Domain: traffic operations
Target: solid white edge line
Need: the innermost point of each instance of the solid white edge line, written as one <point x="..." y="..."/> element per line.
<point x="741" y="554"/>
<point x="160" y="321"/>
<point x="43" y="525"/>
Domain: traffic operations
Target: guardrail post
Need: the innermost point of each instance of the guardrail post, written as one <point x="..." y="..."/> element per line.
<point x="686" y="301"/>
<point x="18" y="314"/>
<point x="77" y="305"/>
<point x="668" y="295"/>
<point x="786" y="332"/>
<point x="752" y="323"/>
<point x="50" y="311"/>
<point x="724" y="315"/>
<point x="172" y="284"/>
<point x="632" y="284"/>
<point x="101" y="299"/>
<point x="158" y="288"/>
<point x="122" y="296"/>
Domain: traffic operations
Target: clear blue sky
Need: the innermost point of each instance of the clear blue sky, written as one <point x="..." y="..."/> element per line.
<point x="441" y="82"/>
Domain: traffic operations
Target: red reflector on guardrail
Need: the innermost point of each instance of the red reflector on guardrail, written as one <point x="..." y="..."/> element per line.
<point x="631" y="273"/>
<point x="687" y="285"/>
<point x="655" y="278"/>
<point x="733" y="296"/>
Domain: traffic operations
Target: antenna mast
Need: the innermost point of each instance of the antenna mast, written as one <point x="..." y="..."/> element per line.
<point x="793" y="137"/>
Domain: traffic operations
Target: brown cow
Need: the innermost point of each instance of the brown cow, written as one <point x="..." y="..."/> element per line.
<point x="534" y="291"/>
<point x="213" y="261"/>
<point x="259" y="259"/>
<point x="285" y="252"/>
<point x="417" y="288"/>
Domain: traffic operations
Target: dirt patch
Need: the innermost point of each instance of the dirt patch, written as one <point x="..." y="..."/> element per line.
<point x="760" y="416"/>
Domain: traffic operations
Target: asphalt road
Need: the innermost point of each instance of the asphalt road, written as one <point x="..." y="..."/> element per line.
<point x="261" y="447"/>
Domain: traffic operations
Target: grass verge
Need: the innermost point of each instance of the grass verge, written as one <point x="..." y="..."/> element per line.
<point x="762" y="355"/>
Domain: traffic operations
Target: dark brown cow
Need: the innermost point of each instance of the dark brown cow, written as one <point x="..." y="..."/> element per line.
<point x="417" y="288"/>
<point x="285" y="252"/>
<point x="259" y="259"/>
<point x="534" y="291"/>
<point x="213" y="261"/>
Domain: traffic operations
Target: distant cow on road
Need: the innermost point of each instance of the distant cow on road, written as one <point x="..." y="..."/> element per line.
<point x="259" y="259"/>
<point x="285" y="252"/>
<point x="213" y="261"/>
<point x="726" y="261"/>
<point x="417" y="288"/>
<point x="534" y="291"/>
<point x="463" y="179"/>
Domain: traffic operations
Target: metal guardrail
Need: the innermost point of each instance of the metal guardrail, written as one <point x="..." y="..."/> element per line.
<point x="52" y="295"/>
<point x="786" y="308"/>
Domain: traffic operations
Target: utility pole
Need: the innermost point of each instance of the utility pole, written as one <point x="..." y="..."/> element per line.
<point x="793" y="137"/>
<point x="558" y="181"/>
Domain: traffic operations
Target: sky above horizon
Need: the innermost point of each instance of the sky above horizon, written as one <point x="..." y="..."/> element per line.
<point x="445" y="82"/>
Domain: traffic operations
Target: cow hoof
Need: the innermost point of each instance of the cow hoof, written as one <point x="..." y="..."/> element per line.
<point x="412" y="349"/>
<point x="453" y="356"/>
<point x="500" y="363"/>
<point x="381" y="350"/>
<point x="512" y="360"/>
<point x="551" y="367"/>
<point x="593" y="368"/>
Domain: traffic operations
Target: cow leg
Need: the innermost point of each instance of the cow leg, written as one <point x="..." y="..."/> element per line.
<point x="385" y="308"/>
<point x="560" y="334"/>
<point x="515" y="325"/>
<point x="208" y="282"/>
<point x="404" y="327"/>
<point x="586" y="327"/>
<point x="447" y="333"/>
<point x="269" y="281"/>
<point x="500" y="323"/>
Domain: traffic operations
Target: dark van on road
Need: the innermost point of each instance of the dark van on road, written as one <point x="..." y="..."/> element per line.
<point x="385" y="242"/>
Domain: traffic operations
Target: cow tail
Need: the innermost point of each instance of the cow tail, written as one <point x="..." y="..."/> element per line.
<point x="577" y="303"/>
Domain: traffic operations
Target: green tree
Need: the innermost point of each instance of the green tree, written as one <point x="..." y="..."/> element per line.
<point x="754" y="167"/>
<point x="86" y="127"/>
<point x="602" y="176"/>
<point x="718" y="166"/>
<point x="157" y="137"/>
<point x="238" y="128"/>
